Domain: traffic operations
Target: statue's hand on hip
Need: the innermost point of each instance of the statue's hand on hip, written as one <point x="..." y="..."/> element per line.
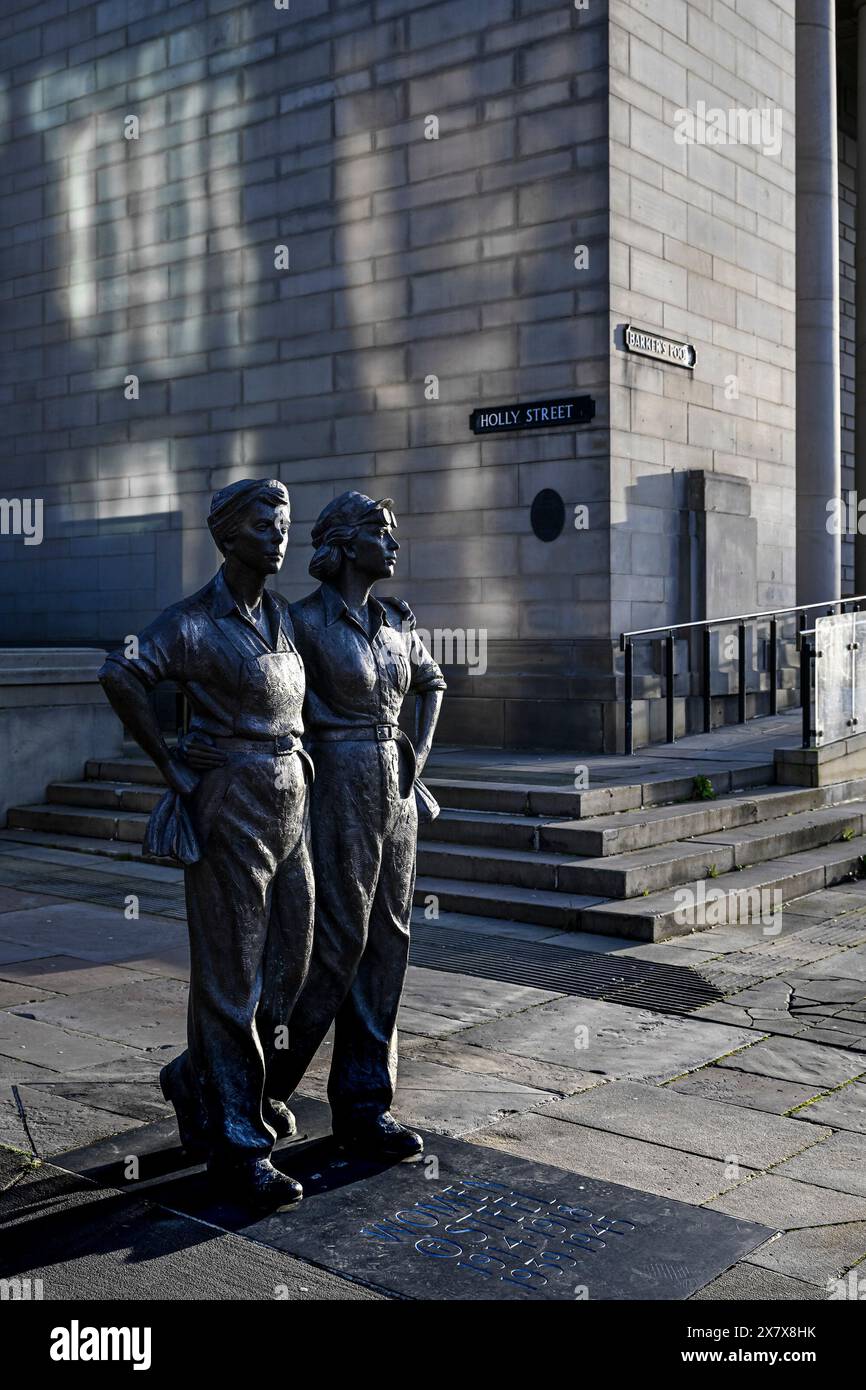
<point x="199" y="753"/>
<point x="180" y="778"/>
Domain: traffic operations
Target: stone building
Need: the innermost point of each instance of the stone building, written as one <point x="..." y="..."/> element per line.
<point x="311" y="240"/>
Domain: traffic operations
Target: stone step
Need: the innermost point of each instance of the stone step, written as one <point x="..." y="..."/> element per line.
<point x="631" y="830"/>
<point x="745" y="896"/>
<point x="638" y="872"/>
<point x="123" y="770"/>
<point x="658" y="825"/>
<point x="94" y="822"/>
<point x="558" y="910"/>
<point x="622" y="877"/>
<point x="126" y="796"/>
<point x="80" y="844"/>
<point x="524" y="799"/>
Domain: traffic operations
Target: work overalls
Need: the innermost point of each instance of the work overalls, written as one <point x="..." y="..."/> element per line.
<point x="249" y="896"/>
<point x="364" y="835"/>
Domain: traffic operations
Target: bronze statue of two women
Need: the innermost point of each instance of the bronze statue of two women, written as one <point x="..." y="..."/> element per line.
<point x="292" y="805"/>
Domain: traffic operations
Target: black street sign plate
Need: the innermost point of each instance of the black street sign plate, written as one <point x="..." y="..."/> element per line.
<point x="464" y="1222"/>
<point x="533" y="415"/>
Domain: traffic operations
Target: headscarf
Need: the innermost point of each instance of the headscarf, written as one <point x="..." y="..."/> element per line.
<point x="229" y="504"/>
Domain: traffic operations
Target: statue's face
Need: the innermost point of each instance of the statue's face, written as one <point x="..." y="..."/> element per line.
<point x="374" y="550"/>
<point x="261" y="537"/>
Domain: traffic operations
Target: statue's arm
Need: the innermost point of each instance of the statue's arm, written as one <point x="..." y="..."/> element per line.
<point x="429" y="705"/>
<point x="129" y="700"/>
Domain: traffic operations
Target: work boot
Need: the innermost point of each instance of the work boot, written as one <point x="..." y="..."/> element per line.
<point x="379" y="1137"/>
<point x="255" y="1182"/>
<point x="280" y="1118"/>
<point x="191" y="1131"/>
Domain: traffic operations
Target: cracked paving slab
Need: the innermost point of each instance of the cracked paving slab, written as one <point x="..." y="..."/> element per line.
<point x="746" y="1089"/>
<point x="613" y="1040"/>
<point x="650" y="1167"/>
<point x="691" y="1123"/>
<point x="793" y="1059"/>
<point x="837" y="1162"/>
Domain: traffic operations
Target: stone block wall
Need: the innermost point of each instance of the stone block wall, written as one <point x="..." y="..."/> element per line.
<point x="702" y="249"/>
<point x="409" y="259"/>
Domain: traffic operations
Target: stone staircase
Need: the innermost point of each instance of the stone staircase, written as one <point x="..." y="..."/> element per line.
<point x="643" y="860"/>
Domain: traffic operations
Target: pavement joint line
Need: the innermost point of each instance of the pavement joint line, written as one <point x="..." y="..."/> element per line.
<point x="804" y="1104"/>
<point x="600" y="1128"/>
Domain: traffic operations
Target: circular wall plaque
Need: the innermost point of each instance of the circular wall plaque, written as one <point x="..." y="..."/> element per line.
<point x="547" y="514"/>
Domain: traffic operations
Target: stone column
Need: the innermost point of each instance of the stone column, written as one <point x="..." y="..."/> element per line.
<point x="860" y="302"/>
<point x="819" y="442"/>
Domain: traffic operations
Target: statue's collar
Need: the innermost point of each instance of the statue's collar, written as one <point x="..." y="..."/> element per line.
<point x="335" y="607"/>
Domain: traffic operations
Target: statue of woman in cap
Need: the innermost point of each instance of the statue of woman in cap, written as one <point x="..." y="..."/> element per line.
<point x="362" y="657"/>
<point x="237" y="817"/>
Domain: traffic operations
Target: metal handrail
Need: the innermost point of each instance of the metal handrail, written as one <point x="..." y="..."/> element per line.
<point x="705" y="625"/>
<point x="738" y="618"/>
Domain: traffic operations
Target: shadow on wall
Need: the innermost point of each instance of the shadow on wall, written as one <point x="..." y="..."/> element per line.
<point x="165" y="344"/>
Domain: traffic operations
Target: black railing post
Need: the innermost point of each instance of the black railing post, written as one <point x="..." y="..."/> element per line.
<point x="708" y="682"/>
<point x="806" y="689"/>
<point x="741" y="662"/>
<point x="772" y="665"/>
<point x="669" y="684"/>
<point x="629" y="696"/>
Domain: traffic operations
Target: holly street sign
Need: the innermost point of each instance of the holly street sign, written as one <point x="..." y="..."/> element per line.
<point x="571" y="410"/>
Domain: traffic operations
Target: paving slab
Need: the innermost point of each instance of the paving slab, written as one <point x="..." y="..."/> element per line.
<point x="691" y="1123"/>
<point x="479" y="1225"/>
<point x="792" y="1059"/>
<point x="837" y="1162"/>
<point x="172" y="961"/>
<point x="789" y="1205"/>
<point x="815" y="1254"/>
<point x="14" y="899"/>
<point x="43" y="1044"/>
<point x="467" y="998"/>
<point x="128" y="1066"/>
<point x="425" y="1024"/>
<point x="68" y="974"/>
<point x="837" y="1035"/>
<point x="89" y="931"/>
<point x="613" y="1040"/>
<point x="652" y="1167"/>
<point x="746" y="1089"/>
<point x="522" y="1070"/>
<point x="53" y="1122"/>
<point x="138" y="1099"/>
<point x="12" y="1071"/>
<point x="87" y="1243"/>
<point x="13" y="951"/>
<point x="11" y="994"/>
<point x="747" y="1282"/>
<point x="450" y="1101"/>
<point x="146" y="1013"/>
<point x="849" y="965"/>
<point x="842" y="1109"/>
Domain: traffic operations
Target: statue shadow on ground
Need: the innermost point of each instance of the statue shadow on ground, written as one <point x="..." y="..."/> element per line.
<point x="149" y="1161"/>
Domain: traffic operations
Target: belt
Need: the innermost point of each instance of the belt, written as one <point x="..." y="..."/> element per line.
<point x="276" y="746"/>
<point x="374" y="733"/>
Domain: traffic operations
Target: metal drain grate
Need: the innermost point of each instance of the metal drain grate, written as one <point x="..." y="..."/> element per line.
<point x="644" y="984"/>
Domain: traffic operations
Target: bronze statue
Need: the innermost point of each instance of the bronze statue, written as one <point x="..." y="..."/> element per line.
<point x="362" y="657"/>
<point x="237" y="817"/>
